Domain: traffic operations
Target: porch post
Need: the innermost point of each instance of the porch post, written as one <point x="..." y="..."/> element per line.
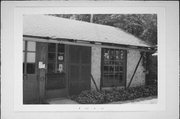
<point x="42" y="73"/>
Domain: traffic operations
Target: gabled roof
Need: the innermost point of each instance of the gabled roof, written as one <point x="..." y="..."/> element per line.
<point x="56" y="27"/>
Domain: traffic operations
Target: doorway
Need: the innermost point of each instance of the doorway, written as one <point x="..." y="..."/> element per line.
<point x="56" y="81"/>
<point x="79" y="69"/>
<point x="67" y="71"/>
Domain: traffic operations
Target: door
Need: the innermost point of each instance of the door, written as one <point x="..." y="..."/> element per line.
<point x="56" y="84"/>
<point x="79" y="69"/>
<point x="30" y="82"/>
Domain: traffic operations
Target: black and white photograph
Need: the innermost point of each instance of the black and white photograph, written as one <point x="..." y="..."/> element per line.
<point x="90" y="59"/>
<point x="84" y="60"/>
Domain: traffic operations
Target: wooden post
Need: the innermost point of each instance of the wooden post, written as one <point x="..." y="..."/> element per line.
<point x="41" y="69"/>
<point x="42" y="73"/>
<point x="91" y="18"/>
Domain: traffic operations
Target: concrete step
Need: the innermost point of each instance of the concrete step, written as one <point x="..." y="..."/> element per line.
<point x="61" y="101"/>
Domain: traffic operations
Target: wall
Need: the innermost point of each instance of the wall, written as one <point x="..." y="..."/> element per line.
<point x="95" y="66"/>
<point x="132" y="60"/>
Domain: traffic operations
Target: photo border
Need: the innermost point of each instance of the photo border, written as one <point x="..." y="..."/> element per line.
<point x="12" y="51"/>
<point x="18" y="33"/>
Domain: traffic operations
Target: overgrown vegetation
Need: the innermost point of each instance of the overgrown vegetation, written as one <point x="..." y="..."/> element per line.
<point x="107" y="96"/>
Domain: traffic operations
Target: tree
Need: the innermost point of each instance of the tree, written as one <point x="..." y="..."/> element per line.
<point x="143" y="26"/>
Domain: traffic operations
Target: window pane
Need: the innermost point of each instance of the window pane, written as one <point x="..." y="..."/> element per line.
<point x="117" y="76"/>
<point x="105" y="77"/>
<point x="106" y="68"/>
<point x="61" y="48"/>
<point x="51" y="67"/>
<point x="106" y="63"/>
<point x="120" y="78"/>
<point x="112" y="56"/>
<point x="106" y="54"/>
<point x="31" y="46"/>
<point x="111" y="69"/>
<point x="30" y="68"/>
<point x="30" y="57"/>
<point x="51" y="56"/>
<point x="117" y="54"/>
<point x="121" y="68"/>
<point x="116" y="68"/>
<point x="122" y="55"/>
<point x="51" y="47"/>
<point x="111" y="77"/>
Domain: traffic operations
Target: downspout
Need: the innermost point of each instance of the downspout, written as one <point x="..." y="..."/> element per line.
<point x="135" y="70"/>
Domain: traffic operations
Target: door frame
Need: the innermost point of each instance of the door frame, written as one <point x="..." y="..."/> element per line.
<point x="66" y="67"/>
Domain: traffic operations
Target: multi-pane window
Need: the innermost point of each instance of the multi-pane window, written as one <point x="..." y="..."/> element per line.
<point x="113" y="67"/>
<point x="55" y="58"/>
<point x="29" y="56"/>
<point x="55" y="67"/>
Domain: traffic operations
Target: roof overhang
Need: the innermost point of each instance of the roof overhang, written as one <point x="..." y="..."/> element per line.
<point x="87" y="43"/>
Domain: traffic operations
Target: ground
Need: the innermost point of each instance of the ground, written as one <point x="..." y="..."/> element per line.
<point x="148" y="100"/>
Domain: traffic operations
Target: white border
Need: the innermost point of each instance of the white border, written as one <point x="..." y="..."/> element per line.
<point x="170" y="32"/>
<point x="20" y="11"/>
<point x="171" y="65"/>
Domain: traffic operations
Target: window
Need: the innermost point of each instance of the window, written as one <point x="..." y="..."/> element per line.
<point x="29" y="56"/>
<point x="55" y="58"/>
<point x="55" y="67"/>
<point x="113" y="67"/>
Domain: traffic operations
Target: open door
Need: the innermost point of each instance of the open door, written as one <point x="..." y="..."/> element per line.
<point x="56" y="84"/>
<point x="79" y="69"/>
<point x="51" y="70"/>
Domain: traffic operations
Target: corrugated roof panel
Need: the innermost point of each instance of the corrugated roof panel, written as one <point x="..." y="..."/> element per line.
<point x="56" y="27"/>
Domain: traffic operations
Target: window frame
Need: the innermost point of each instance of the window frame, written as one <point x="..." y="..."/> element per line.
<point x="113" y="82"/>
<point x="56" y="61"/>
<point x="25" y="55"/>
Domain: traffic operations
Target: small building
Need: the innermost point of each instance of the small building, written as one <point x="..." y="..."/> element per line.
<point x="63" y="57"/>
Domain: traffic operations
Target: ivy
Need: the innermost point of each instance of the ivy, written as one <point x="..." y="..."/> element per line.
<point x="107" y="96"/>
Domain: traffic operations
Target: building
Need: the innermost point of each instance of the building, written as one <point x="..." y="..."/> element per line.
<point x="62" y="57"/>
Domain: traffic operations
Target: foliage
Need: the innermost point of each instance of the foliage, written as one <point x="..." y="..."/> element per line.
<point x="143" y="26"/>
<point x="152" y="76"/>
<point x="107" y="96"/>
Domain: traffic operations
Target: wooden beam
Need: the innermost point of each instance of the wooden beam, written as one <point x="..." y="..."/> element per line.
<point x="94" y="82"/>
<point x="89" y="44"/>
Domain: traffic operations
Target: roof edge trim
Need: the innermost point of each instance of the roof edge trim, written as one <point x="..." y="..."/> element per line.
<point x="87" y="43"/>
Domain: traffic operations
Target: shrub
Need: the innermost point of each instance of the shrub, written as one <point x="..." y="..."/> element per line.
<point x="106" y="96"/>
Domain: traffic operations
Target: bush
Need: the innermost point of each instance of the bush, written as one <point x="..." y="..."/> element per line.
<point x="106" y="96"/>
